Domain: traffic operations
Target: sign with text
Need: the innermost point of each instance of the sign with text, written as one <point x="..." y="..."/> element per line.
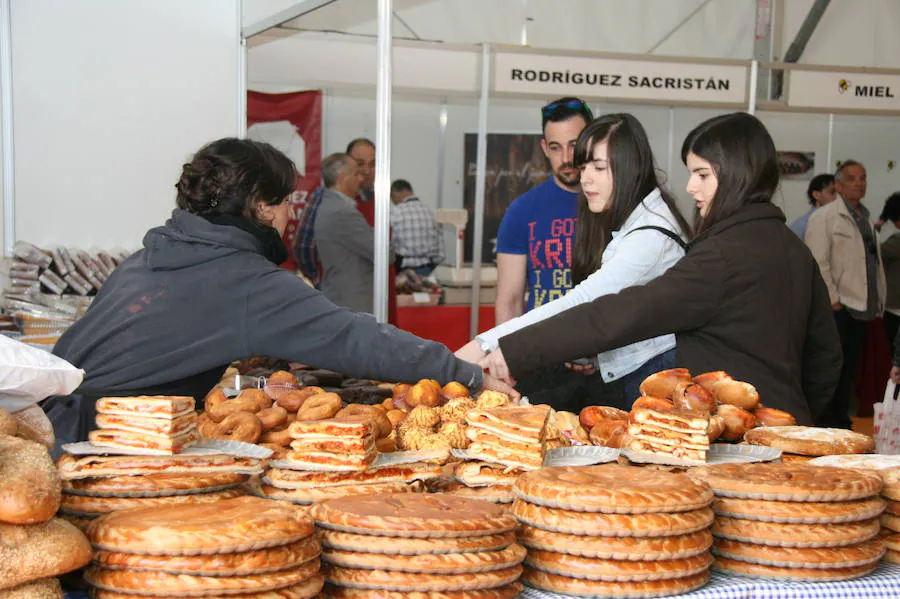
<point x="555" y="76"/>
<point x="837" y="90"/>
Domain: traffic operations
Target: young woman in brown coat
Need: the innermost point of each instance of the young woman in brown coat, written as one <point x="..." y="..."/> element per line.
<point x="747" y="297"/>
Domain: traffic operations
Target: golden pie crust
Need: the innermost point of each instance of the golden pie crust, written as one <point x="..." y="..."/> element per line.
<point x="618" y="548"/>
<point x="799" y="512"/>
<point x="227" y="526"/>
<point x="185" y="585"/>
<point x="300" y="479"/>
<point x="80" y="522"/>
<point x="617" y="570"/>
<point x="413" y="515"/>
<point x="149" y="485"/>
<point x="310" y="496"/>
<point x="891" y="478"/>
<point x="347" y="541"/>
<point x="305" y="590"/>
<point x="793" y="458"/>
<point x="892" y="508"/>
<point x="509" y="591"/>
<point x="788" y="482"/>
<point x="612" y="525"/>
<point x="494" y="494"/>
<point x="410" y="581"/>
<point x="76" y="467"/>
<point x="158" y="444"/>
<point x="428" y="563"/>
<point x="795" y="557"/>
<point x="792" y="574"/>
<point x="261" y="561"/>
<point x="45" y="588"/>
<point x="890" y="522"/>
<point x="612" y="488"/>
<point x="892" y="556"/>
<point x="811" y="441"/>
<point x="795" y="535"/>
<point x="83" y="504"/>
<point x="596" y="588"/>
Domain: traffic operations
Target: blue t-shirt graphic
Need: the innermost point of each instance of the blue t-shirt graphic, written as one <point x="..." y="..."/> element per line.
<point x="540" y="224"/>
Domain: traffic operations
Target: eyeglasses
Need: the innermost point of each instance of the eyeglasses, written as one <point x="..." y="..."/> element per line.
<point x="566" y="108"/>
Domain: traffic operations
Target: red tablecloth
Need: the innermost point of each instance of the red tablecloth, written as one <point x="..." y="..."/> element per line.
<point x="446" y="324"/>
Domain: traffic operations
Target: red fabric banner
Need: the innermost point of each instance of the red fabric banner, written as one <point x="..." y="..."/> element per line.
<point x="293" y="124"/>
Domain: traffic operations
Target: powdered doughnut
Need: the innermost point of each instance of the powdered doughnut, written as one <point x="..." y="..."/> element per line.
<point x="320" y="407"/>
<point x="238" y="426"/>
<point x="272" y="417"/>
<point x="293" y="400"/>
<point x="257" y="395"/>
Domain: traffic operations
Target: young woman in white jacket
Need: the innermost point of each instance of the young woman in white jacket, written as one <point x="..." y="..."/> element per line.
<point x="629" y="232"/>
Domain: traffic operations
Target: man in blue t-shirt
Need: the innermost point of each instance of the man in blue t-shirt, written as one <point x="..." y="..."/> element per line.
<point x="534" y="243"/>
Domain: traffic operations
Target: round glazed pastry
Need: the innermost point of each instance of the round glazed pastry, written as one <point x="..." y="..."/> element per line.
<point x="257" y="396"/>
<point x="612" y="488"/>
<point x="293" y="400"/>
<point x="773" y="417"/>
<point x="795" y="535"/>
<point x="237" y="426"/>
<point x="282" y="377"/>
<point x="799" y="512"/>
<point x="794" y="557"/>
<point x="737" y="422"/>
<point x="440" y="563"/>
<point x="383" y="426"/>
<point x="792" y="574"/>
<point x="219" y="412"/>
<point x="618" y="548"/>
<point x="612" y="525"/>
<point x="320" y="407"/>
<point x="691" y="396"/>
<point x="413" y="515"/>
<point x="653" y="403"/>
<point x="591" y="416"/>
<point x="708" y="379"/>
<point x="597" y="588"/>
<point x="272" y="417"/>
<point x="587" y="568"/>
<point x="414" y="581"/>
<point x="736" y="393"/>
<point x="610" y="433"/>
<point x="811" y="441"/>
<point x="96" y="506"/>
<point x="278" y="436"/>
<point x="423" y="393"/>
<point x="787" y="482"/>
<point x="454" y="390"/>
<point x="230" y="525"/>
<point x="662" y="384"/>
<point x="309" y="589"/>
<point x="508" y="591"/>
<point x="152" y="484"/>
<point x="346" y="541"/>
<point x="214" y="398"/>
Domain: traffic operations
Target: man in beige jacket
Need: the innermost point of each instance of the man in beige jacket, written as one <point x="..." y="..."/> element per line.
<point x="843" y="240"/>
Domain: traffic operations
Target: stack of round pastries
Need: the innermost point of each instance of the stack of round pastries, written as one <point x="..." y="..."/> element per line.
<point x="614" y="530"/>
<point x="86" y="499"/>
<point x="412" y="544"/>
<point x="243" y="546"/>
<point x="794" y="521"/>
<point x="800" y="444"/>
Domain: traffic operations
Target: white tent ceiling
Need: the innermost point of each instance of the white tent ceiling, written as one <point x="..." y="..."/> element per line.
<point x="851" y="32"/>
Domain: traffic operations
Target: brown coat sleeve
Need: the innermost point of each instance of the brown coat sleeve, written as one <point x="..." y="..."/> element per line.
<point x="682" y="299"/>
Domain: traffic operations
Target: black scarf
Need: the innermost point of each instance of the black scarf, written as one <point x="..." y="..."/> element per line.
<point x="273" y="247"/>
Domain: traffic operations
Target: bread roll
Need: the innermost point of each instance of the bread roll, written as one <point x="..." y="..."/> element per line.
<point x="736" y="393"/>
<point x="35" y="426"/>
<point x="737" y="421"/>
<point x="30" y="487"/>
<point x="654" y="403"/>
<point x="29" y="553"/>
<point x="691" y="396"/>
<point x="593" y="415"/>
<point x="8" y="424"/>
<point x="45" y="588"/>
<point x="610" y="433"/>
<point x="773" y="417"/>
<point x="662" y="384"/>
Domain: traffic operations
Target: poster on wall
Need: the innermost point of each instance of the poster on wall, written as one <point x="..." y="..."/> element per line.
<point x="515" y="164"/>
<point x="796" y="166"/>
<point x="293" y="124"/>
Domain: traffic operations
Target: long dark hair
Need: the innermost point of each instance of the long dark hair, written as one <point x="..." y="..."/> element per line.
<point x="634" y="178"/>
<point x="230" y="175"/>
<point x="742" y="154"/>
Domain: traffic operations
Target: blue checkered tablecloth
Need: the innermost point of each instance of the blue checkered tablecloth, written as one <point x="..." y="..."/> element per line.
<point x="884" y="583"/>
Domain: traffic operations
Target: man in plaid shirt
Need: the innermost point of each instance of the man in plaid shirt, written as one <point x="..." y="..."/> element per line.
<point x="416" y="234"/>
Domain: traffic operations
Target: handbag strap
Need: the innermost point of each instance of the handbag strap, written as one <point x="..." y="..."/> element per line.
<point x="670" y="234"/>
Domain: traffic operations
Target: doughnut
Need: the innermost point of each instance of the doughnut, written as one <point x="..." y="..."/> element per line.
<point x="280" y="436"/>
<point x="219" y="412"/>
<point x="386" y="445"/>
<point x="257" y="395"/>
<point x="282" y="377"/>
<point x="205" y="425"/>
<point x="238" y="426"/>
<point x="383" y="425"/>
<point x="272" y="417"/>
<point x="396" y="417"/>
<point x="214" y="398"/>
<point x="423" y="393"/>
<point x="292" y="400"/>
<point x="454" y="390"/>
<point x="320" y="406"/>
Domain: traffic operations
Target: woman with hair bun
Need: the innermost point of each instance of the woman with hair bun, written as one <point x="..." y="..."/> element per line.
<point x="746" y="298"/>
<point x="206" y="290"/>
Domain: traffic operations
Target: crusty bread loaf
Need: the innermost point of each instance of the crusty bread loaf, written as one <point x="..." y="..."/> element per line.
<point x="35" y="426"/>
<point x="45" y="588"/>
<point x="29" y="553"/>
<point x="8" y="424"/>
<point x="30" y="486"/>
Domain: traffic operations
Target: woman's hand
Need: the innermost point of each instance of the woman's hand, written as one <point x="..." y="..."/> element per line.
<point x="495" y="364"/>
<point x="471" y="352"/>
<point x="895" y="374"/>
<point x="581" y="368"/>
<point x="495" y="384"/>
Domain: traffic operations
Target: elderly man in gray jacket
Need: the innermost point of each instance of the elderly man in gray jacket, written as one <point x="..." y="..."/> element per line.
<point x="344" y="239"/>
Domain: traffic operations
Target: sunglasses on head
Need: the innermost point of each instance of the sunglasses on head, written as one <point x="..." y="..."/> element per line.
<point x="567" y="107"/>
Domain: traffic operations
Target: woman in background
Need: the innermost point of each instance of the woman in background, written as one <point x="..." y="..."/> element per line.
<point x="747" y="297"/>
<point x="819" y="192"/>
<point x="629" y="232"/>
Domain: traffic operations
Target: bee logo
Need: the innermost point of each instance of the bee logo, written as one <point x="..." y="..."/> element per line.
<point x="843" y="85"/>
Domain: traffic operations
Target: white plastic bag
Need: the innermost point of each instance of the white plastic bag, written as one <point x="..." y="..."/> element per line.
<point x="887" y="422"/>
<point x="29" y="375"/>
